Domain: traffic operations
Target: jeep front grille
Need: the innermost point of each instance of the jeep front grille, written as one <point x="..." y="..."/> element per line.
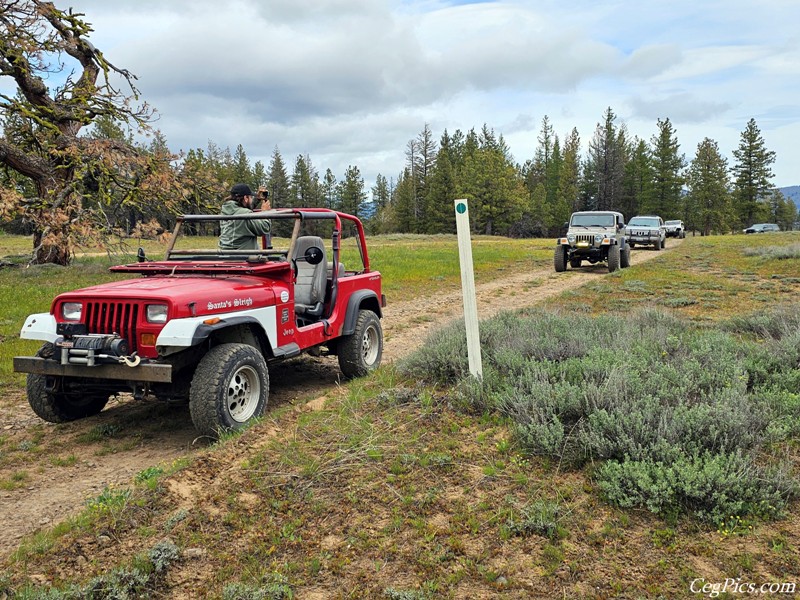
<point x="585" y="237"/>
<point x="113" y="317"/>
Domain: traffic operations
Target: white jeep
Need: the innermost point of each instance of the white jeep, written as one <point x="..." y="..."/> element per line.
<point x="594" y="236"/>
<point x="675" y="229"/>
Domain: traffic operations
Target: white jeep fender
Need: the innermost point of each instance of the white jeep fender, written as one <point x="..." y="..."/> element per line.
<point x="39" y="326"/>
<point x="179" y="334"/>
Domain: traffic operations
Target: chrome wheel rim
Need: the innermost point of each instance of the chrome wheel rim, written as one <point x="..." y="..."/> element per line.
<point x="244" y="393"/>
<point x="370" y="345"/>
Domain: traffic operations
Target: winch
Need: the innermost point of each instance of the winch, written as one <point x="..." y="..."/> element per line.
<point x="94" y="348"/>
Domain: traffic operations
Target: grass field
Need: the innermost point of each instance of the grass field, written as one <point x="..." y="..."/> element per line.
<point x="412" y="487"/>
<point x="705" y="279"/>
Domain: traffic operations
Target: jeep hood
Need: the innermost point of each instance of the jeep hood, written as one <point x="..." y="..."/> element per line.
<point x="578" y="229"/>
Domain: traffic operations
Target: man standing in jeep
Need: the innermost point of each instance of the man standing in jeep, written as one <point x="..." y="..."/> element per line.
<point x="242" y="235"/>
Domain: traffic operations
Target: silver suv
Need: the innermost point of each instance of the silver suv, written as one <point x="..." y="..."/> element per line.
<point x="594" y="236"/>
<point x="646" y="230"/>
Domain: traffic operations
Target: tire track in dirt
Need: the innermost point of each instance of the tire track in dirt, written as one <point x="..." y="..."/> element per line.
<point x="160" y="435"/>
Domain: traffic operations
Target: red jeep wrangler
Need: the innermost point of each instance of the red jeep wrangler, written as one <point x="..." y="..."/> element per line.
<point x="202" y="325"/>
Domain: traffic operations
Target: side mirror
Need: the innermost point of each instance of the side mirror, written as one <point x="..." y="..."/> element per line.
<point x="313" y="255"/>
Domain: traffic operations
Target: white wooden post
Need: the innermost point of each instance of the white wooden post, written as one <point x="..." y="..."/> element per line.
<point x="468" y="289"/>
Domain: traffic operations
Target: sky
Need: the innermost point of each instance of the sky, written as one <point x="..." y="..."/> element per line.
<point x="350" y="82"/>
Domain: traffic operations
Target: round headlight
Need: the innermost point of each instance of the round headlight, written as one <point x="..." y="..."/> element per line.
<point x="598" y="238"/>
<point x="571" y="238"/>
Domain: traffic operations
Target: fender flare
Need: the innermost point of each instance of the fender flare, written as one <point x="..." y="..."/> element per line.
<point x="204" y="331"/>
<point x="179" y="334"/>
<point x="355" y="303"/>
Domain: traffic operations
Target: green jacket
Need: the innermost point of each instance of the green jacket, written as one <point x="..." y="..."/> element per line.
<point x="240" y="235"/>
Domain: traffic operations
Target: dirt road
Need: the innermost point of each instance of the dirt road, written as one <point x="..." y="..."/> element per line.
<point x="53" y="469"/>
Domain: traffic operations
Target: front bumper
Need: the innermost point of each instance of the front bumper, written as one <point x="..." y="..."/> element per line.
<point x="144" y="372"/>
<point x="643" y="239"/>
<point x="587" y="248"/>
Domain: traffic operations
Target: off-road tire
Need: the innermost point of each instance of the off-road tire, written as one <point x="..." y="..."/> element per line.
<point x="625" y="257"/>
<point x="361" y="352"/>
<point x="230" y="388"/>
<point x="575" y="263"/>
<point x="60" y="407"/>
<point x="657" y="246"/>
<point x="613" y="258"/>
<point x="682" y="235"/>
<point x="560" y="259"/>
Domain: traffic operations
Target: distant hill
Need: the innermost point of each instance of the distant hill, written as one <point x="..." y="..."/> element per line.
<point x="792" y="193"/>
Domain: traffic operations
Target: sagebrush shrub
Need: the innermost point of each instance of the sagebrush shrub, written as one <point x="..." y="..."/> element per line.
<point x="677" y="413"/>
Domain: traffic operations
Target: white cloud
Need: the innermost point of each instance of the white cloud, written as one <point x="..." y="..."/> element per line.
<point x="351" y="81"/>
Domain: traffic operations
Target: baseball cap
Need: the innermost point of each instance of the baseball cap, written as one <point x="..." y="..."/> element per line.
<point x="241" y="189"/>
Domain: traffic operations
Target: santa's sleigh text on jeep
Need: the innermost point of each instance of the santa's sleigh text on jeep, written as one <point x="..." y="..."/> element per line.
<point x="202" y="325"/>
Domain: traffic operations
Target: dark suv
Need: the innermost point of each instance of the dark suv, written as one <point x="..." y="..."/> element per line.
<point x="762" y="228"/>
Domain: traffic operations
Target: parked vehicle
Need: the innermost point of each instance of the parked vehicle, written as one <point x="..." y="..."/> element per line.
<point x="647" y="230"/>
<point x="203" y="325"/>
<point x="593" y="236"/>
<point x="675" y="229"/>
<point x="762" y="228"/>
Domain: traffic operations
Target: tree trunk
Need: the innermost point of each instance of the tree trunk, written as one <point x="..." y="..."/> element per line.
<point x="49" y="253"/>
<point x="51" y="236"/>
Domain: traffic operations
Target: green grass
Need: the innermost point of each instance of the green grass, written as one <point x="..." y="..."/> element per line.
<point x="704" y="279"/>
<point x="411" y="265"/>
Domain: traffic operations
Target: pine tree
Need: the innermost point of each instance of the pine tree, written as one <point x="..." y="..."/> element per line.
<point x="305" y="188"/>
<point x="441" y="193"/>
<point x="240" y="171"/>
<point x="553" y="173"/>
<point x="330" y="191"/>
<point x="492" y="185"/>
<point x="280" y="193"/>
<point x="425" y="160"/>
<point x="260" y="177"/>
<point x="381" y="194"/>
<point x="665" y="197"/>
<point x="638" y="181"/>
<point x="605" y="166"/>
<point x="709" y="198"/>
<point x="782" y="210"/>
<point x="279" y="186"/>
<point x="404" y="203"/>
<point x="411" y="208"/>
<point x="569" y="178"/>
<point x="352" y="192"/>
<point x="541" y="212"/>
<point x="752" y="173"/>
<point x="536" y="171"/>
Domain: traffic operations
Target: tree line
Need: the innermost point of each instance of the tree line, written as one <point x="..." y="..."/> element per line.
<point x="74" y="169"/>
<point x="618" y="172"/>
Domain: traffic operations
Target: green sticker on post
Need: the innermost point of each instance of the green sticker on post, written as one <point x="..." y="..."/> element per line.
<point x="461" y="208"/>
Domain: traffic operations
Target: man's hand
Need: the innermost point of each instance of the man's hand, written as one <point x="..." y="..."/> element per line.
<point x="263" y="195"/>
